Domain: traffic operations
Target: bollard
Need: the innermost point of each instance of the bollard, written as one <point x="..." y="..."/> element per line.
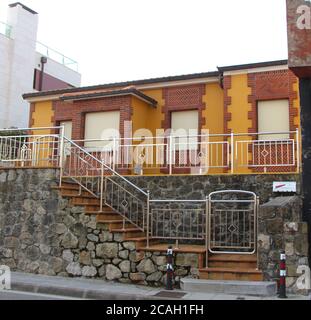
<point x="282" y="286"/>
<point x="169" y="269"/>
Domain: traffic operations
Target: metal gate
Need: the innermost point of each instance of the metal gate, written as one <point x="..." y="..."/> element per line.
<point x="232" y="222"/>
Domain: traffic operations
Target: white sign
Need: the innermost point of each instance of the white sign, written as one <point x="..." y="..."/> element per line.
<point x="287" y="186"/>
<point x="5" y="278"/>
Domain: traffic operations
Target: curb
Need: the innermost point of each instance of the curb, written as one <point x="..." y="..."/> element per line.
<point x="99" y="294"/>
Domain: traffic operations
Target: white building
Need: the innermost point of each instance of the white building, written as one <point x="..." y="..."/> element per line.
<point x="21" y="66"/>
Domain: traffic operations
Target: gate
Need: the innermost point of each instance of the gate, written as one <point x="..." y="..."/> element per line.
<point x="232" y="222"/>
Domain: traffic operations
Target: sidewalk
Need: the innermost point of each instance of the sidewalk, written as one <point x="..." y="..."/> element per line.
<point x="83" y="288"/>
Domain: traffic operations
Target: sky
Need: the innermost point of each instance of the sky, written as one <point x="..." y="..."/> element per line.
<point x="120" y="40"/>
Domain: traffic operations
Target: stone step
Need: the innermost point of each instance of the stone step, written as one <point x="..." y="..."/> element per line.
<point x="261" y="288"/>
<point x="241" y="274"/>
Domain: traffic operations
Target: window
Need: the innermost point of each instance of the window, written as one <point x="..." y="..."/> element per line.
<point x="273" y="116"/>
<point x="101" y="126"/>
<point x="185" y="123"/>
<point x="67" y="128"/>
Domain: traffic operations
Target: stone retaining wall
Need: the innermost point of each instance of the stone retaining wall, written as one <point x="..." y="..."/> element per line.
<point x="281" y="228"/>
<point x="198" y="187"/>
<point x="40" y="232"/>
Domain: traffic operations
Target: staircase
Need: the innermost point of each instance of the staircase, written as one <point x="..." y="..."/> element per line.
<point x="121" y="218"/>
<point x="220" y="266"/>
<point x="115" y="222"/>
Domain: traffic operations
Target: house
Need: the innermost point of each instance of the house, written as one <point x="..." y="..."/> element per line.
<point x="239" y="119"/>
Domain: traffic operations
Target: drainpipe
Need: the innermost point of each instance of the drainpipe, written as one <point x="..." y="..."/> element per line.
<point x="43" y="62"/>
<point x="221" y="78"/>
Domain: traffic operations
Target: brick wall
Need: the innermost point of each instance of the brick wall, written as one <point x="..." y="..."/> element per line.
<point x="75" y="111"/>
<point x="272" y="85"/>
<point x="183" y="98"/>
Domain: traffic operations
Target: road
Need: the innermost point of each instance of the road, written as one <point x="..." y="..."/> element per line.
<point x="19" y="295"/>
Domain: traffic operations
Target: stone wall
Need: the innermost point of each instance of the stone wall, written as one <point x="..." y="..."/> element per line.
<point x="40" y="232"/>
<point x="281" y="228"/>
<point x="198" y="187"/>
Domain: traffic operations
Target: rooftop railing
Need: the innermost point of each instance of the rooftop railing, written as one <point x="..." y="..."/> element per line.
<point x="5" y="29"/>
<point x="56" y="56"/>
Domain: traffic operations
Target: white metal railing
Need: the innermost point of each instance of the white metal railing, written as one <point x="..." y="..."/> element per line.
<point x="36" y="147"/>
<point x="268" y="152"/>
<point x="56" y="56"/>
<point x="5" y="29"/>
<point x="216" y="153"/>
<point x="258" y="152"/>
<point x="93" y="175"/>
<point x="178" y="219"/>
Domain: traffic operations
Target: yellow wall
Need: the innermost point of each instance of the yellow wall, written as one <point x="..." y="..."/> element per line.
<point x="214" y="108"/>
<point x="214" y="123"/>
<point x="43" y="116"/>
<point x="140" y="114"/>
<point x="239" y="109"/>
<point x="147" y="117"/>
<point x="155" y="115"/>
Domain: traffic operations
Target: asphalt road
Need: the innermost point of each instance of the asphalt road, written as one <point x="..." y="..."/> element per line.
<point x="19" y="295"/>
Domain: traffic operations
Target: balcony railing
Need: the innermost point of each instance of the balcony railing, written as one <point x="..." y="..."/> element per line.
<point x="235" y="153"/>
<point x="56" y="56"/>
<point x="202" y="154"/>
<point x="5" y="29"/>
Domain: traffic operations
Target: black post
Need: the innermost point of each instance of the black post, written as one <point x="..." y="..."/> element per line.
<point x="43" y="62"/>
<point x="169" y="269"/>
<point x="282" y="287"/>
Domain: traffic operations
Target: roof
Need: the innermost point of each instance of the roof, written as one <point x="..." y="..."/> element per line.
<point x="123" y="84"/>
<point x="155" y="80"/>
<point x="12" y="5"/>
<point x="122" y="92"/>
<point x="253" y="65"/>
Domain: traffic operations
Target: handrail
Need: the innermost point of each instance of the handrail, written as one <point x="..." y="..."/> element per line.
<point x="72" y="64"/>
<point x="107" y="167"/>
<point x="5" y="29"/>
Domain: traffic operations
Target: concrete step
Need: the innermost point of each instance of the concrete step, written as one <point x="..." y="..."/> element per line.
<point x="256" y="288"/>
